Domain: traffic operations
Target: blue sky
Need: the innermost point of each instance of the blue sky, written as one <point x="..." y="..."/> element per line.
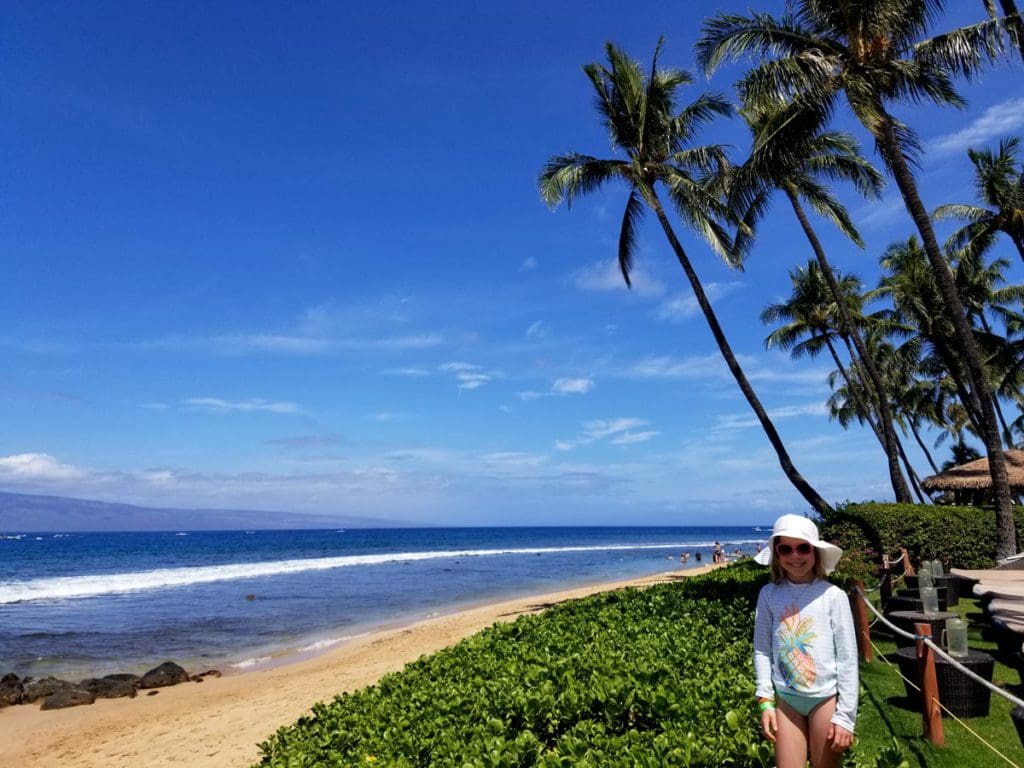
<point x="294" y="258"/>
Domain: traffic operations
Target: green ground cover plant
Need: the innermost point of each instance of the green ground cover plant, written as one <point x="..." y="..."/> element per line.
<point x="659" y="677"/>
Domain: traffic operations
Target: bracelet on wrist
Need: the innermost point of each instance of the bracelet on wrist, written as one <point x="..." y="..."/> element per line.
<point x="766" y="705"/>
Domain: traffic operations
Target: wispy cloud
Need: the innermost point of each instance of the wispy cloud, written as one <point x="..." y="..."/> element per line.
<point x="734" y="421"/>
<point x="529" y="263"/>
<point x="683" y="306"/>
<point x="561" y="388"/>
<point x="606" y="276"/>
<point x="994" y="122"/>
<point x="621" y="431"/>
<point x="300" y="442"/>
<point x="252" y="405"/>
<point x="713" y="367"/>
<point x="468" y="375"/>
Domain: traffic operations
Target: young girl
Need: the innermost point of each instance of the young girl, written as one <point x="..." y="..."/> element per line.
<point x="805" y="650"/>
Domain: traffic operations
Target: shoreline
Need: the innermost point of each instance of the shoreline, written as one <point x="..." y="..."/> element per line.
<point x="219" y="723"/>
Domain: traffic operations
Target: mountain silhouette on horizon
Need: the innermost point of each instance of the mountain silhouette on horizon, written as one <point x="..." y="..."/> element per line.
<point x="23" y="512"/>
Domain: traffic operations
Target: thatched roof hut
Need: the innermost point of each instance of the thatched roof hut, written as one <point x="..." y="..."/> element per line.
<point x="971" y="482"/>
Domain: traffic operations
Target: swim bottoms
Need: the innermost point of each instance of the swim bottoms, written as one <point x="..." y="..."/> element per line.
<point x="803" y="704"/>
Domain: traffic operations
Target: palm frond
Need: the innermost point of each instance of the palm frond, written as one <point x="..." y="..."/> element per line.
<point x="566" y="177"/>
<point x="631" y="218"/>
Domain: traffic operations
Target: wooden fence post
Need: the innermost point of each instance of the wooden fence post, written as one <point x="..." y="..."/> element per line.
<point x="885" y="584"/>
<point x="908" y="569"/>
<point x="860" y="615"/>
<point x="929" y="687"/>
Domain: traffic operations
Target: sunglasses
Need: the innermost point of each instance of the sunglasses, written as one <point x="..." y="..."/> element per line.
<point x="787" y="549"/>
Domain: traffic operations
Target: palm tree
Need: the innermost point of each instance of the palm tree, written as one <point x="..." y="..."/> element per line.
<point x="1012" y="19"/>
<point x="811" y="323"/>
<point x="655" y="139"/>
<point x="833" y="156"/>
<point x="999" y="184"/>
<point x="873" y="53"/>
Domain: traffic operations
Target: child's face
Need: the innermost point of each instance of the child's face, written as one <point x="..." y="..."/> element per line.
<point x="796" y="557"/>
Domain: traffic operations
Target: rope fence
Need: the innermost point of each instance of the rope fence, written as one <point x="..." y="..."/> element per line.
<point x="923" y="639"/>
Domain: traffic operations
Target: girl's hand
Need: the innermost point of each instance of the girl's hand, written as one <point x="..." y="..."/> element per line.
<point x="768" y="724"/>
<point x="839" y="737"/>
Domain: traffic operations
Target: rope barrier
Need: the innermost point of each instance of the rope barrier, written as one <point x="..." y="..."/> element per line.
<point x="951" y="660"/>
<point x="938" y="649"/>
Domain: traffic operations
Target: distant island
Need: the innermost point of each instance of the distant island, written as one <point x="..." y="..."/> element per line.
<point x="21" y="512"/>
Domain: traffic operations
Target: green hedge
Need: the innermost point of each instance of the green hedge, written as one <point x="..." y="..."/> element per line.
<point x="964" y="537"/>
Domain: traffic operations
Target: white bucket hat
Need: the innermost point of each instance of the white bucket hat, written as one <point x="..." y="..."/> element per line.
<point x="797" y="527"/>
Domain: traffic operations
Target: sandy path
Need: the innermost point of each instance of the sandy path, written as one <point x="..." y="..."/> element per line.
<point x="218" y="724"/>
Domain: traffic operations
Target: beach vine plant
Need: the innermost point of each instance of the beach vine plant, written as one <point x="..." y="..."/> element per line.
<point x="659" y="677"/>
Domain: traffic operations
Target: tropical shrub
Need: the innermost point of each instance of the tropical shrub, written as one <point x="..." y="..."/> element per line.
<point x="964" y="537"/>
<point x="661" y="677"/>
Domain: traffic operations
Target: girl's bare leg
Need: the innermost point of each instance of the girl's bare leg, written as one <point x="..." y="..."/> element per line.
<point x="819" y="723"/>
<point x="791" y="738"/>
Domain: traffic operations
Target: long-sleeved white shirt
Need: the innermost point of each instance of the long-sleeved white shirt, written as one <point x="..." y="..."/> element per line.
<point x="805" y="644"/>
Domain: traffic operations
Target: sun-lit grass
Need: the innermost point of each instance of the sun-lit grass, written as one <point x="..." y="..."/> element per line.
<point x="885" y="712"/>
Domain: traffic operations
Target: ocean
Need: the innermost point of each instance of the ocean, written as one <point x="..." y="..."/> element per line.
<point x="76" y="605"/>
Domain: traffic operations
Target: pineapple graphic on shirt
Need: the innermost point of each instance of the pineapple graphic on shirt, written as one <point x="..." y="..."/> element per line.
<point x="794" y="637"/>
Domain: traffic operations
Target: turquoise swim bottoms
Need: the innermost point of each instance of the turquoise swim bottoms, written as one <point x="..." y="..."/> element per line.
<point x="803" y="704"/>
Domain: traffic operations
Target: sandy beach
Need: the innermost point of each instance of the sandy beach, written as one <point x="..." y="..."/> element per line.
<point x="219" y="723"/>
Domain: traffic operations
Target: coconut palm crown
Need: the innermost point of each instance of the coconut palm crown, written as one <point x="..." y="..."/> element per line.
<point x="654" y="135"/>
<point x="873" y="53"/>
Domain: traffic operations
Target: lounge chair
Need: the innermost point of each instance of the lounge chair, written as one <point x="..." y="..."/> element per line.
<point x="989" y="574"/>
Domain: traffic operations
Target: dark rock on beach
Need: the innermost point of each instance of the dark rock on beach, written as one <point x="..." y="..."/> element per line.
<point x="70" y="697"/>
<point x="126" y="677"/>
<point x="108" y="688"/>
<point x="11" y="690"/>
<point x="166" y="674"/>
<point x="41" y="689"/>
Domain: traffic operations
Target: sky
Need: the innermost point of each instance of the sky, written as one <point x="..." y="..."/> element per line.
<point x="294" y="258"/>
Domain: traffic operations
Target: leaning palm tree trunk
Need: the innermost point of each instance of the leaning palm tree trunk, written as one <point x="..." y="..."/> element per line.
<point x="798" y="481"/>
<point x="876" y="392"/>
<point x="981" y="392"/>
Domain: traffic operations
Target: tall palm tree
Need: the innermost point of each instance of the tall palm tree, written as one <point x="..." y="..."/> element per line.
<point x="811" y="324"/>
<point x="832" y="156"/>
<point x="999" y="184"/>
<point x="655" y="139"/>
<point x="873" y="53"/>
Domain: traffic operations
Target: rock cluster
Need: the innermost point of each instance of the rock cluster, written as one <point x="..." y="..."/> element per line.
<point x="57" y="694"/>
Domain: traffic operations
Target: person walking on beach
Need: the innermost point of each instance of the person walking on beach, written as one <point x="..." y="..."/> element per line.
<point x="717" y="554"/>
<point x="805" y="650"/>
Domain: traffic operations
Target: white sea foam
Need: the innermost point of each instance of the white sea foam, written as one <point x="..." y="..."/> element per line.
<point x="252" y="662"/>
<point x="71" y="587"/>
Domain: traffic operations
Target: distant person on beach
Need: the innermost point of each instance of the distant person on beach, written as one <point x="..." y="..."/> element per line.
<point x="684" y="558"/>
<point x="697" y="556"/>
<point x="717" y="555"/>
<point x="805" y="650"/>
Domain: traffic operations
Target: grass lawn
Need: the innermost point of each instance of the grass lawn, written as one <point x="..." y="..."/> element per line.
<point x="885" y="712"/>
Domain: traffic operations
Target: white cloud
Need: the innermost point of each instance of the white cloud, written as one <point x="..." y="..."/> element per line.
<point x="252" y="405"/>
<point x="537" y="330"/>
<point x="606" y="276"/>
<point x="683" y="306"/>
<point x="414" y="373"/>
<point x="561" y="388"/>
<point x="579" y="386"/>
<point x="712" y="367"/>
<point x="734" y="421"/>
<point x="37" y="466"/>
<point x="529" y="263"/>
<point x="994" y="122"/>
<point x="468" y="375"/>
<point x="616" y="431"/>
